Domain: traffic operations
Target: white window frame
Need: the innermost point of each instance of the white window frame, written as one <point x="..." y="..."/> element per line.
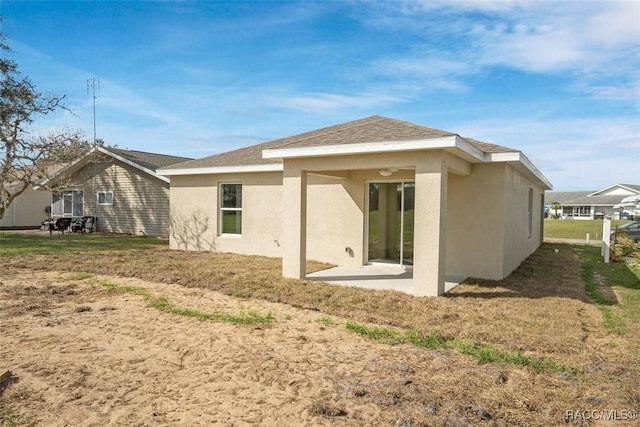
<point x="222" y="209"/>
<point x="77" y="204"/>
<point x="105" y="197"/>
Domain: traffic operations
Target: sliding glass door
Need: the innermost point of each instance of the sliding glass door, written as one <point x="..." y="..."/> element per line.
<point x="390" y="222"/>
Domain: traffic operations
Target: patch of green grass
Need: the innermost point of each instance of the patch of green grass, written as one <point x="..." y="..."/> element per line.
<point x="7" y="417"/>
<point x="622" y="277"/>
<point x="590" y="286"/>
<point x="631" y="305"/>
<point x="81" y="276"/>
<point x="611" y="321"/>
<point x="31" y="244"/>
<point x="327" y="321"/>
<point x="247" y="316"/>
<point x="576" y="229"/>
<point x="482" y="353"/>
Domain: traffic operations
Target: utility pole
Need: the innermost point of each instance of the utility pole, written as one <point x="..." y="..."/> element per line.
<point x="93" y="86"/>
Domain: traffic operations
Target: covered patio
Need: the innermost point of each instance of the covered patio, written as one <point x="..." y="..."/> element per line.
<point x="423" y="173"/>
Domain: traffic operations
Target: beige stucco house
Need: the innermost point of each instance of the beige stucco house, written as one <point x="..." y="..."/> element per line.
<point x="119" y="187"/>
<point x="367" y="191"/>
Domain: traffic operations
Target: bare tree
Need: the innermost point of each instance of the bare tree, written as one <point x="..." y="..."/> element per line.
<point x="28" y="159"/>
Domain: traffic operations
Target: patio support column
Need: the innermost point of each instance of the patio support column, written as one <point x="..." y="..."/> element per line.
<point x="294" y="223"/>
<point x="429" y="228"/>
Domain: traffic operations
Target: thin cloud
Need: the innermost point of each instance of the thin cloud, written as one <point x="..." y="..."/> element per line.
<point x="328" y="102"/>
<point x="454" y="41"/>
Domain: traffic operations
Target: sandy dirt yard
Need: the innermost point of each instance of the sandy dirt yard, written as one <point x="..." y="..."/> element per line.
<point x="81" y="355"/>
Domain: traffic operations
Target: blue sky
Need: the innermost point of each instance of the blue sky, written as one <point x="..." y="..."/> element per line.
<point x="558" y="80"/>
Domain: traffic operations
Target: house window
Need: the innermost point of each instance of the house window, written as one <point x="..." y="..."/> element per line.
<point x="576" y="211"/>
<point x="530" y="212"/>
<point x="105" y="197"/>
<point x="231" y="208"/>
<point x="69" y="204"/>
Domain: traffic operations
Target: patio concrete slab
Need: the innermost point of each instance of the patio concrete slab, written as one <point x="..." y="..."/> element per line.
<point x="377" y="277"/>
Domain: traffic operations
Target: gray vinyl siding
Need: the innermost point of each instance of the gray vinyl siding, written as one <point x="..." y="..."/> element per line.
<point x="140" y="201"/>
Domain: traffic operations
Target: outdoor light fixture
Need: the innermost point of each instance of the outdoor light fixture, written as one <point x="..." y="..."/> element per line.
<point x="388" y="172"/>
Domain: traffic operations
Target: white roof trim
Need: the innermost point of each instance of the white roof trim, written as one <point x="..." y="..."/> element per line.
<point x="452" y="141"/>
<point x="82" y="161"/>
<point x="271" y="167"/>
<point x="520" y="158"/>
<point x="632" y="190"/>
<point x="445" y="142"/>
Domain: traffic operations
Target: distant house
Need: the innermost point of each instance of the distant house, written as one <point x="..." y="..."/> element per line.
<point x="594" y="204"/>
<point x="27" y="210"/>
<point x="374" y="190"/>
<point x="120" y="188"/>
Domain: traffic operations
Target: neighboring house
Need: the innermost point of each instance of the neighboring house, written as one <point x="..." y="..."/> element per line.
<point x="594" y="204"/>
<point x="371" y="190"/>
<point x="120" y="188"/>
<point x="27" y="210"/>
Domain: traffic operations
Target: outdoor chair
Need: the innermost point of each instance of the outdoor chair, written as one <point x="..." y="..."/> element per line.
<point x="77" y="224"/>
<point x="61" y="225"/>
<point x="89" y="224"/>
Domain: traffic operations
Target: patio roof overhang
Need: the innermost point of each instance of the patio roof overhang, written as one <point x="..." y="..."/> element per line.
<point x="269" y="167"/>
<point x="453" y="144"/>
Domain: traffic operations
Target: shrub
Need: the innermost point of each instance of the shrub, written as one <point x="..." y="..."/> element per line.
<point x="624" y="248"/>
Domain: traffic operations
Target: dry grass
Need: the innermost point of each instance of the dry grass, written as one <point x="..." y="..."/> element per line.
<point x="540" y="311"/>
<point x="511" y="313"/>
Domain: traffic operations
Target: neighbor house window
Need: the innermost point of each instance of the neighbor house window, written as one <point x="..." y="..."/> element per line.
<point x="69" y="203"/>
<point x="530" y="212"/>
<point x="231" y="208"/>
<point x="105" y="197"/>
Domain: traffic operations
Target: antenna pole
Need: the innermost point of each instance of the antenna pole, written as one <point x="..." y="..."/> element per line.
<point x="93" y="84"/>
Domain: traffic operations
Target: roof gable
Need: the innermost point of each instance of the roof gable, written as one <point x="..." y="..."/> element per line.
<point x="145" y="162"/>
<point x="618" y="190"/>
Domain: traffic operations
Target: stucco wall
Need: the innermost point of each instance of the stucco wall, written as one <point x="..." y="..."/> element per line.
<point x="518" y="245"/>
<point x="475" y="223"/>
<point x="335" y="220"/>
<point x="194" y="211"/>
<point x="487" y="221"/>
<point x="27" y="210"/>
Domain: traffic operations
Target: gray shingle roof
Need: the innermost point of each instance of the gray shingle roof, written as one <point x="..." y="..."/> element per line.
<point x="151" y="161"/>
<point x="581" y="198"/>
<point x="563" y="197"/>
<point x="369" y="129"/>
<point x="489" y="148"/>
